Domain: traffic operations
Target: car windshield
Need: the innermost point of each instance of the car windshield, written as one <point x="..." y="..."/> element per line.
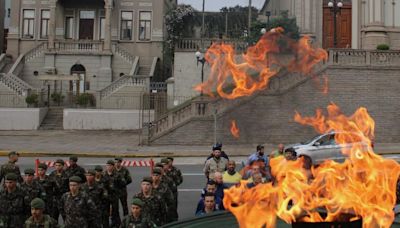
<point x="309" y="141"/>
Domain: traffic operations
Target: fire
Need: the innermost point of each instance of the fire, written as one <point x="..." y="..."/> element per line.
<point x="325" y="88"/>
<point x="232" y="78"/>
<point x="234" y="129"/>
<point x="364" y="185"/>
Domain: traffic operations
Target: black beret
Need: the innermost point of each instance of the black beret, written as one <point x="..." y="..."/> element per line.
<point x="110" y="162"/>
<point x="91" y="172"/>
<point x="60" y="161"/>
<point x="147" y="179"/>
<point x="13" y="153"/>
<point x="98" y="168"/>
<point x="73" y="158"/>
<point x="42" y="166"/>
<point x="157" y="171"/>
<point x="118" y="159"/>
<point x="11" y="177"/>
<point x="29" y="171"/>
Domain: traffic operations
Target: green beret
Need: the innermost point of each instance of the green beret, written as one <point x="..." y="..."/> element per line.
<point x="60" y="161"/>
<point x="137" y="202"/>
<point x="29" y="172"/>
<point x="13" y="153"/>
<point x="118" y="159"/>
<point x="157" y="171"/>
<point x="98" y="168"/>
<point x="159" y="164"/>
<point x="91" y="172"/>
<point x="147" y="179"/>
<point x="110" y="162"/>
<point x="170" y="158"/>
<point x="11" y="177"/>
<point x="75" y="179"/>
<point x="37" y="203"/>
<point x="42" y="166"/>
<point x="73" y="158"/>
<point x="164" y="161"/>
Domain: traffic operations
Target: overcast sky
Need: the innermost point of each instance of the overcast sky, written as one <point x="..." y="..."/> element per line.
<point x="215" y="5"/>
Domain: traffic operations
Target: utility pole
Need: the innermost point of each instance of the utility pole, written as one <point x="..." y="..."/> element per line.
<point x="202" y="28"/>
<point x="249" y="25"/>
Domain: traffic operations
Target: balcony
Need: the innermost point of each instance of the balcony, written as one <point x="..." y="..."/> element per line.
<point x="79" y="47"/>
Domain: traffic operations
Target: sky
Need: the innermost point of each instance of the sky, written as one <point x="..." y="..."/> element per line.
<point x="215" y="5"/>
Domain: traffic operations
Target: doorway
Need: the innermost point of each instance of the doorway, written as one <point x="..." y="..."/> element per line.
<point x="77" y="87"/>
<point x="343" y="26"/>
<point x="86" y="24"/>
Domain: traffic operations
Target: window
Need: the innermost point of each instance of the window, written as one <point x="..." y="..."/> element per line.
<point x="69" y="27"/>
<point x="28" y="23"/>
<point x="126" y="25"/>
<point x="145" y="26"/>
<point x="44" y="24"/>
<point x="102" y="28"/>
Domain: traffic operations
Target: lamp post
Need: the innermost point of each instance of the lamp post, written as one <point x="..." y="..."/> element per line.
<point x="335" y="7"/>
<point x="200" y="58"/>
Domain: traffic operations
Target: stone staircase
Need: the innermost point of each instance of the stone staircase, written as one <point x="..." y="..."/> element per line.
<point x="54" y="119"/>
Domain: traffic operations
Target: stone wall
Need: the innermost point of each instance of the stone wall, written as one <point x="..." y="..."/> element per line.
<point x="21" y="118"/>
<point x="268" y="118"/>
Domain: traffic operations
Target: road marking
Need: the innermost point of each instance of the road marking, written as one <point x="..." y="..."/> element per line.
<point x="190" y="190"/>
<point x="192" y="174"/>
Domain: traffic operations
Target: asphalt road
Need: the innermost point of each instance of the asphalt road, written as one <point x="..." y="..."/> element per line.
<point x="189" y="190"/>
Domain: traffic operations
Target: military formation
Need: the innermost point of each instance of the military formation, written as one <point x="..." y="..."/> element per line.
<point x="86" y="198"/>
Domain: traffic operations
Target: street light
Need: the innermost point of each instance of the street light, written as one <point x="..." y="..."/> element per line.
<point x="335" y="7"/>
<point x="200" y="58"/>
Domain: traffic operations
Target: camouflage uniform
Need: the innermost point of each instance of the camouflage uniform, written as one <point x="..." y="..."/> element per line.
<point x="33" y="190"/>
<point x="76" y="170"/>
<point x="47" y="222"/>
<point x="10" y="167"/>
<point x="105" y="203"/>
<point x="123" y="197"/>
<point x="153" y="208"/>
<point x="14" y="208"/>
<point x="48" y="187"/>
<point x="97" y="193"/>
<point x="114" y="183"/>
<point x="61" y="186"/>
<point x="142" y="222"/>
<point x="79" y="211"/>
<point x="167" y="198"/>
<point x="175" y="175"/>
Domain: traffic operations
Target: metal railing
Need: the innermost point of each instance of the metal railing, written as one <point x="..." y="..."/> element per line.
<point x="189" y="44"/>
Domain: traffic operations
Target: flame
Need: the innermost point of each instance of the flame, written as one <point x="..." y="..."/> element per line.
<point x="254" y="72"/>
<point x="364" y="185"/>
<point x="325" y="88"/>
<point x="234" y="129"/>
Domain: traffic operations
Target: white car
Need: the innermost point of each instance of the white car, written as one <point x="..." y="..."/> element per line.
<point x="324" y="147"/>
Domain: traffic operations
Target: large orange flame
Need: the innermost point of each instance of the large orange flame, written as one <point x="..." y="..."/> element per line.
<point x="232" y="79"/>
<point x="364" y="185"/>
<point x="234" y="129"/>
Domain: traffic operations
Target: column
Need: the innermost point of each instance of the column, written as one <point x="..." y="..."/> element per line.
<point x="375" y="31"/>
<point x="108" y="5"/>
<point x="52" y="24"/>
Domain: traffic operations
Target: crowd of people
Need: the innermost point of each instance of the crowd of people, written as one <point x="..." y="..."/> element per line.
<point x="86" y="198"/>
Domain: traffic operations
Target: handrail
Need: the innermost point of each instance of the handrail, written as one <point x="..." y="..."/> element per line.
<point x="122" y="81"/>
<point x="2" y="61"/>
<point x="135" y="66"/>
<point x="17" y="65"/>
<point x="124" y="54"/>
<point x="153" y="66"/>
<point x="35" y="51"/>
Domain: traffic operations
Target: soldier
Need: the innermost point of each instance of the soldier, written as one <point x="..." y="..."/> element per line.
<point x="77" y="207"/>
<point x="105" y="204"/>
<point x="61" y="184"/>
<point x="38" y="218"/>
<point x="176" y="176"/>
<point x="153" y="208"/>
<point x="11" y="167"/>
<point x="14" y="205"/>
<point x="113" y="183"/>
<point x="124" y="172"/>
<point x="32" y="188"/>
<point x="94" y="190"/>
<point x="48" y="187"/>
<point x="75" y="170"/>
<point x="136" y="219"/>
<point x="167" y="197"/>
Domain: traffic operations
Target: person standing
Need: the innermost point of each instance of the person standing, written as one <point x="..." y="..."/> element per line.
<point x="136" y="218"/>
<point x="230" y="176"/>
<point x="31" y="186"/>
<point x="161" y="189"/>
<point x="61" y="184"/>
<point x="124" y="173"/>
<point x="11" y="167"/>
<point x="215" y="164"/>
<point x="209" y="205"/>
<point x="104" y="204"/>
<point x="48" y="187"/>
<point x="38" y="218"/>
<point x="114" y="182"/>
<point x="74" y="169"/>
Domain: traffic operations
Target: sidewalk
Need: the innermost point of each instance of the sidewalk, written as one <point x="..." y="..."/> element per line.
<point x="117" y="143"/>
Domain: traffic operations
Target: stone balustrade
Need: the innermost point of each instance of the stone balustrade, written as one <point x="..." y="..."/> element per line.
<point x="76" y="47"/>
<point x="189" y="44"/>
<point x="356" y="57"/>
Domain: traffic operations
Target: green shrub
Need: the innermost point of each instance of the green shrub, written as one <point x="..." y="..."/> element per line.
<point x="57" y="98"/>
<point x="32" y="99"/>
<point x="382" y="47"/>
<point x="85" y="99"/>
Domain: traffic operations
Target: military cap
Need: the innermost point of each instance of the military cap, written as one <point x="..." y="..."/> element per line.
<point x="13" y="153"/>
<point x="11" y="177"/>
<point x="147" y="179"/>
<point x="164" y="161"/>
<point x="98" y="168"/>
<point x="60" y="161"/>
<point x="137" y="202"/>
<point x="37" y="203"/>
<point x="29" y="171"/>
<point x="170" y="158"/>
<point x="91" y="172"/>
<point x="118" y="159"/>
<point x="159" y="164"/>
<point x="75" y="179"/>
<point x="73" y="158"/>
<point x="42" y="166"/>
<point x="110" y="162"/>
<point x="157" y="171"/>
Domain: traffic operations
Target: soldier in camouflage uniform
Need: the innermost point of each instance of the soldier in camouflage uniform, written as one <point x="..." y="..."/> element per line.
<point x="135" y="218"/>
<point x="38" y="219"/>
<point x="32" y="188"/>
<point x="48" y="185"/>
<point x="114" y="182"/>
<point x="104" y="204"/>
<point x="95" y="191"/>
<point x="153" y="208"/>
<point x="75" y="170"/>
<point x="61" y="185"/>
<point x="14" y="205"/>
<point x="124" y="172"/>
<point x="167" y="197"/>
<point x="11" y="167"/>
<point x="77" y="207"/>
